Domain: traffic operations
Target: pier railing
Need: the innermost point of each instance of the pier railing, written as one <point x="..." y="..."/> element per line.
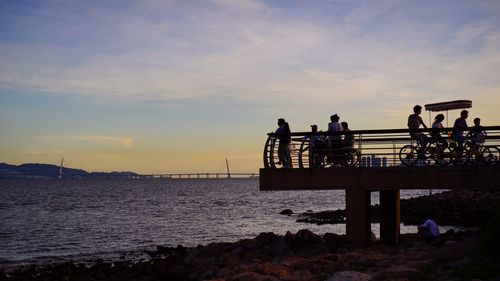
<point x="386" y="147"/>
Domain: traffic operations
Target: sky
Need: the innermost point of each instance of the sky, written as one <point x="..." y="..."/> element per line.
<point x="172" y="86"/>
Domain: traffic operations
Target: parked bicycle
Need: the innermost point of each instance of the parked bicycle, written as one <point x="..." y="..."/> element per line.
<point x="321" y="155"/>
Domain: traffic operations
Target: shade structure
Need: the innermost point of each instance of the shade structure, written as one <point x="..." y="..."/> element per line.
<point x="448" y="105"/>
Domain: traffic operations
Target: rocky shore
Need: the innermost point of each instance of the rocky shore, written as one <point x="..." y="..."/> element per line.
<point x="464" y="208"/>
<point x="300" y="256"/>
<point x="307" y="256"/>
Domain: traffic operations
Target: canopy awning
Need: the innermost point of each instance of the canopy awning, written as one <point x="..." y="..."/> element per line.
<point x="448" y="105"/>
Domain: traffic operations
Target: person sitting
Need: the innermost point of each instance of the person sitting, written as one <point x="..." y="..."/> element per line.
<point x="459" y="127"/>
<point x="477" y="135"/>
<point x="429" y="231"/>
<point x="437" y="133"/>
<point x="414" y="122"/>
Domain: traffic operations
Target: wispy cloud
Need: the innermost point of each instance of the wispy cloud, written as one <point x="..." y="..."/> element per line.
<point x="126" y="141"/>
<point x="259" y="52"/>
<point x="41" y="152"/>
<point x="123" y="141"/>
<point x="372" y="48"/>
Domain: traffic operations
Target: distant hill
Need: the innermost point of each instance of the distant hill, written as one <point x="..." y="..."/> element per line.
<point x="48" y="171"/>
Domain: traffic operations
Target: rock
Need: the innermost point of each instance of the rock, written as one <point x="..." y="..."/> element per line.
<point x="398" y="272"/>
<point x="207" y="274"/>
<point x="307" y="237"/>
<point x="420" y="264"/>
<point x="279" y="271"/>
<point x="349" y="276"/>
<point x="450" y="242"/>
<point x="286" y="212"/>
<point x="279" y="248"/>
<point x="252" y="276"/>
<point x="264" y="238"/>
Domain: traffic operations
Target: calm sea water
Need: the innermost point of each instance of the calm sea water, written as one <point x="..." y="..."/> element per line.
<point x="54" y="220"/>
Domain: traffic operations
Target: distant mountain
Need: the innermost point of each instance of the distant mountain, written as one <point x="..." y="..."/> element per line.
<point x="48" y="171"/>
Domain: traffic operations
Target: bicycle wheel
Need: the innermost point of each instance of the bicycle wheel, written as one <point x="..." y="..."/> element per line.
<point x="430" y="158"/>
<point x="351" y="158"/>
<point x="408" y="155"/>
<point x="491" y="155"/>
<point x="474" y="157"/>
<point x="443" y="156"/>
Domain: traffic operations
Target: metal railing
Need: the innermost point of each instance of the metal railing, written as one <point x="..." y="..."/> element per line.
<point x="385" y="147"/>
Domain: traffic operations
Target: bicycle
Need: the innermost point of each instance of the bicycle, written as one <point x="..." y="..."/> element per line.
<point x="322" y="156"/>
<point x="411" y="154"/>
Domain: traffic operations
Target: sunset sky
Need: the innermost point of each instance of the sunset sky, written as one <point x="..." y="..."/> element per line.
<point x="177" y="86"/>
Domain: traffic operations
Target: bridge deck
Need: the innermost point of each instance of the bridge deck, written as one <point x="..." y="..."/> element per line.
<point x="381" y="178"/>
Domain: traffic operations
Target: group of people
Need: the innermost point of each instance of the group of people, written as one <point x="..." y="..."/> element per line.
<point x="476" y="136"/>
<point x="339" y="139"/>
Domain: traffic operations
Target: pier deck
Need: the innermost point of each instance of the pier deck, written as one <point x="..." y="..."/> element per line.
<point x="383" y="161"/>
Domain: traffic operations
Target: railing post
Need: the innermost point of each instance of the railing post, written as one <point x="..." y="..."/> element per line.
<point x="360" y="147"/>
<point x="393" y="153"/>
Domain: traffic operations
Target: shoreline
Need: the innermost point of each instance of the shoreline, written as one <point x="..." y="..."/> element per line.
<point x="457" y="208"/>
<point x="300" y="256"/>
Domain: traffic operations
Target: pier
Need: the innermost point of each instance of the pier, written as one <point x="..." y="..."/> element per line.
<point x="384" y="161"/>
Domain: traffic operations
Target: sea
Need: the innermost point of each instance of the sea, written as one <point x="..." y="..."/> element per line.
<point x="45" y="221"/>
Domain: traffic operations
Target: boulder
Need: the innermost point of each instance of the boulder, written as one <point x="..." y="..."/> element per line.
<point x="286" y="212"/>
<point x="264" y="239"/>
<point x="279" y="248"/>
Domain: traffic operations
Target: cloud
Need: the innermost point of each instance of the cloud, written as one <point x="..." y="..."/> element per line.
<point x="123" y="141"/>
<point x="247" y="49"/>
<point x="126" y="141"/>
<point x="41" y="152"/>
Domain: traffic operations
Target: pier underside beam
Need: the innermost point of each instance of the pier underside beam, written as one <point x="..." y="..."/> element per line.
<point x="385" y="178"/>
<point x="390" y="217"/>
<point x="358" y="223"/>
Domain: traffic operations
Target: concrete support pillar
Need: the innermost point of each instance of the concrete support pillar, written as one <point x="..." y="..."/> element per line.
<point x="358" y="224"/>
<point x="390" y="217"/>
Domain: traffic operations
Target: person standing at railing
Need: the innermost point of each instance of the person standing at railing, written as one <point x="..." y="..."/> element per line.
<point x="316" y="147"/>
<point x="348" y="141"/>
<point x="414" y="122"/>
<point x="335" y="140"/>
<point x="284" y="139"/>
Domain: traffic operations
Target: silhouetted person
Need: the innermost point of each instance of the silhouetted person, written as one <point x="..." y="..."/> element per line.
<point x="414" y="122"/>
<point x="314" y="139"/>
<point x="335" y="140"/>
<point x="316" y="146"/>
<point x="477" y="133"/>
<point x="436" y="134"/>
<point x="459" y="127"/>
<point x="348" y="141"/>
<point x="283" y="135"/>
